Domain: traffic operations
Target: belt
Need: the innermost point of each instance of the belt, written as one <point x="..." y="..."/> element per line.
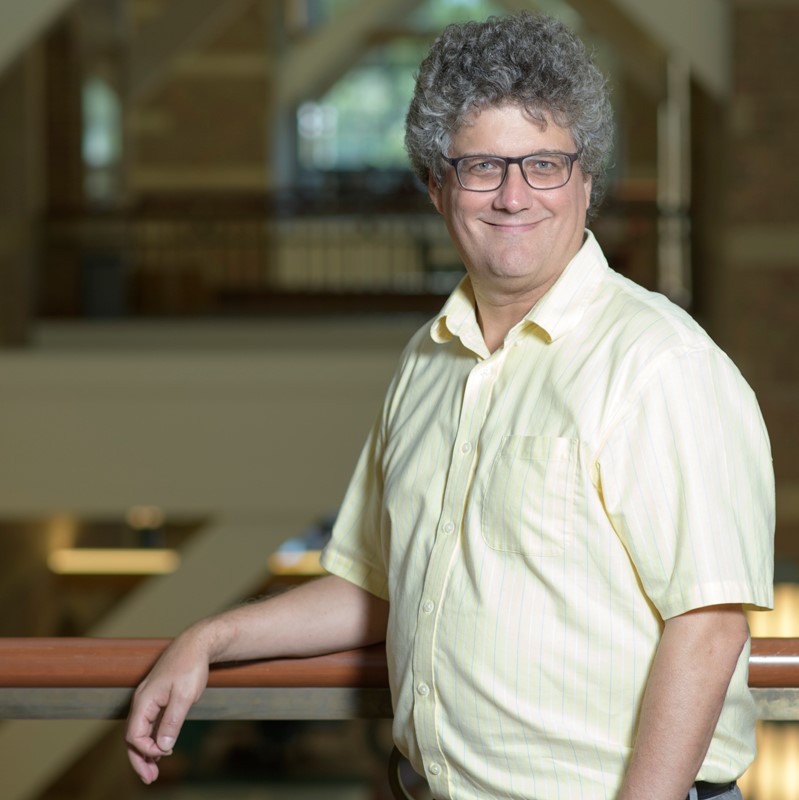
<point x="705" y="790"/>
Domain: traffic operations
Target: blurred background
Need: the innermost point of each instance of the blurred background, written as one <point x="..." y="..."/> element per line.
<point x="211" y="254"/>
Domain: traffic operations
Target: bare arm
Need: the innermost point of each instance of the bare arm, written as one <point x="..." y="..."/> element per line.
<point x="692" y="669"/>
<point x="324" y="616"/>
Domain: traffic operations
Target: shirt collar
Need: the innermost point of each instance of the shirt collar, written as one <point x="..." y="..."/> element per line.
<point x="555" y="314"/>
<point x="458" y="319"/>
<point x="563" y="306"/>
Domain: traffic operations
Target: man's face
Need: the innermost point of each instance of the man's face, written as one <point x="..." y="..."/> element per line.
<point x="514" y="240"/>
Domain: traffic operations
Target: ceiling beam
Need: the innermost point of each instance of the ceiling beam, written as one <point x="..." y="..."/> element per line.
<point x="643" y="59"/>
<point x="646" y="34"/>
<point x="699" y="32"/>
<point x="312" y="65"/>
<point x="22" y="23"/>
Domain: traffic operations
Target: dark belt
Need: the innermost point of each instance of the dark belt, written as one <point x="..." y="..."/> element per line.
<point x="705" y="790"/>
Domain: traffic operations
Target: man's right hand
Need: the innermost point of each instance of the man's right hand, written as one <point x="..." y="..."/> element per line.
<point x="162" y="702"/>
<point x="322" y="616"/>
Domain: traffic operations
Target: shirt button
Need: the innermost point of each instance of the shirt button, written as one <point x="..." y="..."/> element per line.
<point x="449" y="527"/>
<point x="423" y="689"/>
<point x="428" y="606"/>
<point x="435" y="769"/>
<point x="466" y="447"/>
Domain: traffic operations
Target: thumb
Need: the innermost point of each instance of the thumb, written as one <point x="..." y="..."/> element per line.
<point x="171" y="723"/>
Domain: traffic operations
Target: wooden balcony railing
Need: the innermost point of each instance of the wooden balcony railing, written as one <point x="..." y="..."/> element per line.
<point x="83" y="678"/>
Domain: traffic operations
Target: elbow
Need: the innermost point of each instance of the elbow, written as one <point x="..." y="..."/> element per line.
<point x="740" y="634"/>
<point x="728" y="633"/>
<point x="721" y="632"/>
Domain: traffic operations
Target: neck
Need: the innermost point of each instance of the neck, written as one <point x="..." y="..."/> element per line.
<point x="498" y="312"/>
<point x="496" y="320"/>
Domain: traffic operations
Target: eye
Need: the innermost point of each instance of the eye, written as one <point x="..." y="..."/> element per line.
<point x="482" y="166"/>
<point x="542" y="164"/>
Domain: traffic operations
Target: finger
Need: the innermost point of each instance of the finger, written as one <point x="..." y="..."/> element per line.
<point x="142" y="722"/>
<point x="171" y="722"/>
<point x="146" y="768"/>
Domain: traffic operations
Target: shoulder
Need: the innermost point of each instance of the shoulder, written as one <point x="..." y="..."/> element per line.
<point x="643" y="341"/>
<point x="644" y="320"/>
<point x="418" y="347"/>
<point x="641" y="332"/>
<point x="412" y="363"/>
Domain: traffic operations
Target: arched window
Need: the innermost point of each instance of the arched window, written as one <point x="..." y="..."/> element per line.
<point x="101" y="144"/>
<point x="358" y="124"/>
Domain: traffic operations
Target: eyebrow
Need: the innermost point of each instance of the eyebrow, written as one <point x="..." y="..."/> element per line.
<point x="541" y="152"/>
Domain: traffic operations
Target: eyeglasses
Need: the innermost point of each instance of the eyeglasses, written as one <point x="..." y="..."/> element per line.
<point x="488" y="173"/>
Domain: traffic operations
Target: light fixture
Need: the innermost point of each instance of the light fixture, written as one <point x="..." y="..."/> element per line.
<point x="113" y="561"/>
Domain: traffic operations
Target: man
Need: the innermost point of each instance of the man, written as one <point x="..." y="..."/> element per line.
<point x="566" y="499"/>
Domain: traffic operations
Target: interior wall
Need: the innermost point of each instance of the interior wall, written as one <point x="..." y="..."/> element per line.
<point x="236" y="420"/>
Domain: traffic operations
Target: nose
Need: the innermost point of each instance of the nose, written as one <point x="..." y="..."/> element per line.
<point x="515" y="194"/>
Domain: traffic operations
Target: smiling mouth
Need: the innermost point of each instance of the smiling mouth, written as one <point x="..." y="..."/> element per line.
<point x="514" y="227"/>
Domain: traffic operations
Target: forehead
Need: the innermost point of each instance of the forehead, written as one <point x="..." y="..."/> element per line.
<point x="509" y="130"/>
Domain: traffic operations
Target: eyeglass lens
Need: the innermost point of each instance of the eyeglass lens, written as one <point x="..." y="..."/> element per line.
<point x="542" y="171"/>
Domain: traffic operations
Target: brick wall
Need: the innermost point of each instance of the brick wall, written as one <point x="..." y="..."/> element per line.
<point x="206" y="126"/>
<point x="756" y="306"/>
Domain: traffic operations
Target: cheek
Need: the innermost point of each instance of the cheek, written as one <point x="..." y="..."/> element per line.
<point x="475" y="205"/>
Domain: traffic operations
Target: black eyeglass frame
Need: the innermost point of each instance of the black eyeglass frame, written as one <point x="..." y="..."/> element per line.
<point x="508" y="160"/>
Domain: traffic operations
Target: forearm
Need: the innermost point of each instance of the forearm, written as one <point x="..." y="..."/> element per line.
<point x="320" y="617"/>
<point x="685" y="692"/>
<point x="323" y="616"/>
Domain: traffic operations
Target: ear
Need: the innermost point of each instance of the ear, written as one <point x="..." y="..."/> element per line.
<point x="587" y="185"/>
<point x="435" y="192"/>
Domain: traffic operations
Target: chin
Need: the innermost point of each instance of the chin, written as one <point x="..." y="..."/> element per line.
<point x="521" y="271"/>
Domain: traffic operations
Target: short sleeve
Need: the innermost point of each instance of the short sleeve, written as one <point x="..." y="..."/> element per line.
<point x="687" y="481"/>
<point x="354" y="551"/>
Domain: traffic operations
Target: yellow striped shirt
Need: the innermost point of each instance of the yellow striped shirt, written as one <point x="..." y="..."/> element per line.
<point x="533" y="515"/>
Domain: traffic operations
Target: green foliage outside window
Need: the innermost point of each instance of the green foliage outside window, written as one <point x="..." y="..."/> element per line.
<point x="359" y="123"/>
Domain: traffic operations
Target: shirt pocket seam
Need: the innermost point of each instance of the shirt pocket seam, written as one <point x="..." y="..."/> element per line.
<point x="532" y="451"/>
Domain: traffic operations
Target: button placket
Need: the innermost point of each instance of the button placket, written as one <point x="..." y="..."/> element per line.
<point x="476" y="397"/>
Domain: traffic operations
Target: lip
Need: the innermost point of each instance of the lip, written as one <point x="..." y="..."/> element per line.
<point x="513" y="228"/>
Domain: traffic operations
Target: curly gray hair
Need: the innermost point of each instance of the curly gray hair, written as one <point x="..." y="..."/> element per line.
<point x="528" y="60"/>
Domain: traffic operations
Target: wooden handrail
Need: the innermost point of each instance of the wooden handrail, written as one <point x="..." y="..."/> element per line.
<point x="88" y="662"/>
<point x="102" y="663"/>
<point x="774" y="663"/>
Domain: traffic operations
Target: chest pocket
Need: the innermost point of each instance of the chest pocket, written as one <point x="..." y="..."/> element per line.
<point x="528" y="505"/>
